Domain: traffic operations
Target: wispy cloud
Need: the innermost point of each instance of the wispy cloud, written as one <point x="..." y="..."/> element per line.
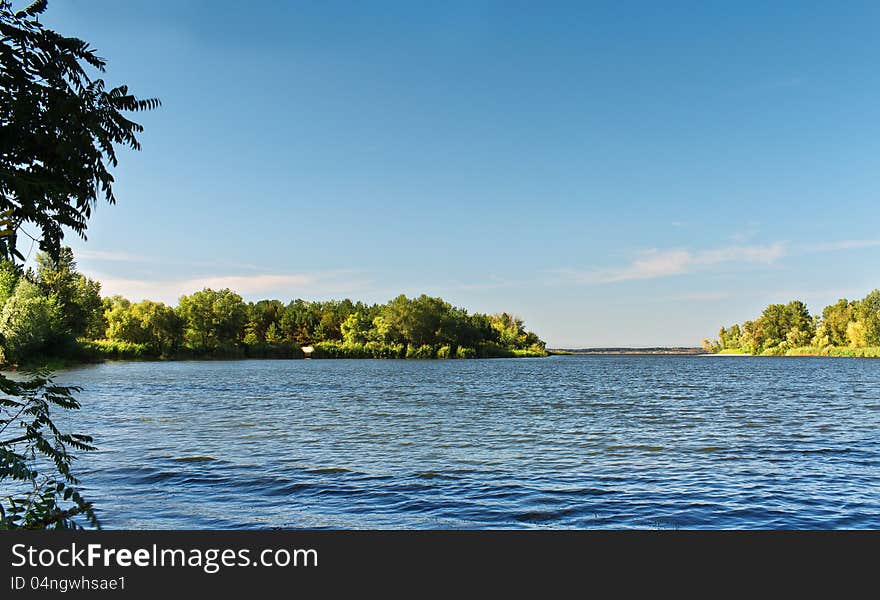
<point x="840" y="245"/>
<point x="654" y="263"/>
<point x="650" y="265"/>
<point x="108" y="256"/>
<point x="479" y="286"/>
<point x="743" y="254"/>
<point x="87" y="257"/>
<point x="282" y="286"/>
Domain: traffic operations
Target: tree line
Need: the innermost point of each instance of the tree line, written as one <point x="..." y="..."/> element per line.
<point x="845" y="328"/>
<point x="53" y="310"/>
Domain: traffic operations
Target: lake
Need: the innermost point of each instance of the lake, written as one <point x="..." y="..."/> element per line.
<point x="562" y="442"/>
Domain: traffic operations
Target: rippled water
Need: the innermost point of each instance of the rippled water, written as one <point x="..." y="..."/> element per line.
<point x="586" y="442"/>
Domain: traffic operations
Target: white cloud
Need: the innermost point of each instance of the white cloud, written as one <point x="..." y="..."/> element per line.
<point x="252" y="284"/>
<point x="654" y="263"/>
<point x="650" y="264"/>
<point x="87" y="256"/>
<point x="111" y="256"/>
<point x="741" y="254"/>
<point x="841" y="245"/>
<point x="282" y="286"/>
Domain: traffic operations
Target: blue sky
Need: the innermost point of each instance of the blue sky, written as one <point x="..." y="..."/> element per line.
<point x="617" y="173"/>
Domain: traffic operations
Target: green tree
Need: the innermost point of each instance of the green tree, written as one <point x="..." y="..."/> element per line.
<point x="867" y="312"/>
<point x="151" y="323"/>
<point x="165" y="326"/>
<point x="798" y="318"/>
<point x="263" y="316"/>
<point x="298" y="322"/>
<point x="197" y="313"/>
<point x="382" y="332"/>
<point x="274" y="334"/>
<point x="331" y="316"/>
<point x="780" y="322"/>
<point x="856" y="335"/>
<point x="121" y="323"/>
<point x="784" y="326"/>
<point x="730" y="338"/>
<point x="356" y="328"/>
<point x="9" y="275"/>
<point x="752" y="336"/>
<point x="212" y="318"/>
<point x="796" y="338"/>
<point x="774" y="323"/>
<point x="835" y="320"/>
<point x="418" y="320"/>
<point x="29" y="321"/>
<point x="78" y="296"/>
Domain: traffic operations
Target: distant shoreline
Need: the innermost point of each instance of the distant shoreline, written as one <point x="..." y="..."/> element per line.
<point x="686" y="351"/>
<point x="666" y="350"/>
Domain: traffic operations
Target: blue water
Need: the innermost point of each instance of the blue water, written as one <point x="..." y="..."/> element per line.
<point x="563" y="442"/>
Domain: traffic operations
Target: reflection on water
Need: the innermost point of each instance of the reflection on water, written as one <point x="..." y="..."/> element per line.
<point x="587" y="442"/>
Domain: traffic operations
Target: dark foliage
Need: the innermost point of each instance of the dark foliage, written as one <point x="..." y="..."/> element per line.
<point x="40" y="491"/>
<point x="59" y="125"/>
<point x="58" y="128"/>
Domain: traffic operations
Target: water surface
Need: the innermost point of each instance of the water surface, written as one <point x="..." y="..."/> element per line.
<point x="562" y="442"/>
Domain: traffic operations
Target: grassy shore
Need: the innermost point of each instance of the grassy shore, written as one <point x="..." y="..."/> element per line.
<point x="95" y="351"/>
<point x="838" y="351"/>
<point x="870" y="352"/>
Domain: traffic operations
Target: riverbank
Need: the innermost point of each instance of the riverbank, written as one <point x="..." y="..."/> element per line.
<point x="97" y="351"/>
<point x="828" y="351"/>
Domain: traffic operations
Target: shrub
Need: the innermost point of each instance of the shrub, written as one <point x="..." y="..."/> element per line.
<point x="492" y="350"/>
<point x="464" y="352"/>
<point x="445" y="352"/>
<point x="115" y="349"/>
<point x="532" y="352"/>
<point x="420" y="352"/>
<point x="28" y="321"/>
<point x="807" y="351"/>
<point x="385" y="350"/>
<point x="867" y="352"/>
<point x="354" y="350"/>
<point x="337" y="349"/>
<point x="778" y="350"/>
<point x="267" y="350"/>
<point x="331" y="349"/>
